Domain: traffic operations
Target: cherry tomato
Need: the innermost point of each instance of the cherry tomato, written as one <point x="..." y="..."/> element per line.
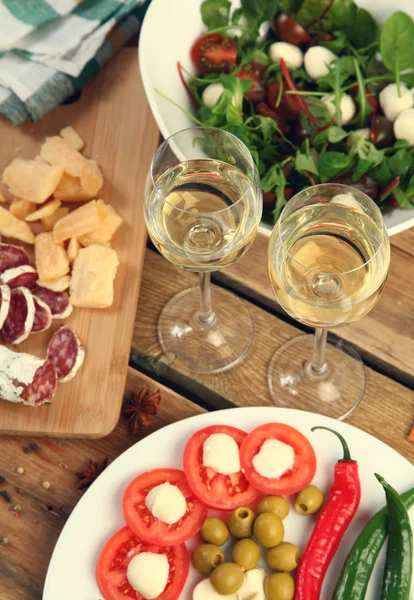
<point x="149" y="528"/>
<point x="212" y="53"/>
<point x="118" y="553"/>
<point x="256" y="92"/>
<point x="288" y="108"/>
<point x="382" y="132"/>
<point x="264" y="110"/>
<point x="289" y="30"/>
<point x="255" y="68"/>
<point x="296" y="478"/>
<point x="224" y="492"/>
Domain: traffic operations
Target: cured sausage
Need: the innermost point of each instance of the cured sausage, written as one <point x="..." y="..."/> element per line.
<point x="5" y="295"/>
<point x="25" y="378"/>
<point x="12" y="256"/>
<point x="24" y="276"/>
<point x="19" y="321"/>
<point x="42" y="317"/>
<point x="58" y="302"/>
<point x="66" y="352"/>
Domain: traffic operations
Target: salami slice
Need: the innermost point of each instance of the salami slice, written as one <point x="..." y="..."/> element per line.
<point x="19" y="321"/>
<point x="42" y="316"/>
<point x="58" y="302"/>
<point x="25" y="378"/>
<point x="66" y="352"/>
<point x="12" y="256"/>
<point x="24" y="276"/>
<point x="5" y="295"/>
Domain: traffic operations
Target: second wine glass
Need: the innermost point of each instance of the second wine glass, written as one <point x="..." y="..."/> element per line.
<point x="203" y="205"/>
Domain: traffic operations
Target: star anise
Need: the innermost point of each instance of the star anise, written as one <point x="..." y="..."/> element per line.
<point x="88" y="476"/>
<point x="140" y="407"/>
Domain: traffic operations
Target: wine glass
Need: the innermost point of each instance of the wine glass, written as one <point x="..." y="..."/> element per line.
<point x="203" y="205"/>
<point x="329" y="257"/>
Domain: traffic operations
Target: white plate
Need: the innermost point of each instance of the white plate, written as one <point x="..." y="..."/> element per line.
<point x="71" y="574"/>
<point x="168" y="32"/>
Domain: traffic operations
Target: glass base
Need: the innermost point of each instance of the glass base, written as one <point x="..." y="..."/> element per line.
<point x="205" y="348"/>
<point x="336" y="392"/>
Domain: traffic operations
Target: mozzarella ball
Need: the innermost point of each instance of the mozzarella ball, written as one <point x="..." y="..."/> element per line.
<point x="347" y="106"/>
<point x="404" y="126"/>
<point x="358" y="134"/>
<point x="391" y="103"/>
<point x="211" y="94"/>
<point x="317" y="60"/>
<point x="292" y="55"/>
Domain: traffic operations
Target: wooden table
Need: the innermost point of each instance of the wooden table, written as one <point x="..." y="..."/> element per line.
<point x="385" y="339"/>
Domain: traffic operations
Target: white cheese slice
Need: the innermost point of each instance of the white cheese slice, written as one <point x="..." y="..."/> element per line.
<point x="148" y="574"/>
<point x="274" y="459"/>
<point x="166" y="502"/>
<point x="253" y="586"/>
<point x="221" y="453"/>
<point x="5" y="303"/>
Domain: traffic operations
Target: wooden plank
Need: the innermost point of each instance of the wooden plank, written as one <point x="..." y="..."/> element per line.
<point x="115" y="120"/>
<point x="404" y="241"/>
<point x="385" y="401"/>
<point x="385" y="337"/>
<point x="24" y="560"/>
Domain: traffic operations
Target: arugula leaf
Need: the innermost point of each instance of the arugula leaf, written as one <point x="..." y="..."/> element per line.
<point x="397" y="43"/>
<point x="339" y="72"/>
<point x="274" y="181"/>
<point x="215" y="13"/>
<point x="319" y="111"/>
<point x="333" y="134"/>
<point x="337" y="44"/>
<point x="332" y="164"/>
<point x="400" y="163"/>
<point x="305" y="164"/>
<point x="367" y="151"/>
<point x="268" y="127"/>
<point x="260" y="10"/>
<point x="241" y="132"/>
<point x="361" y="29"/>
<point x="230" y="103"/>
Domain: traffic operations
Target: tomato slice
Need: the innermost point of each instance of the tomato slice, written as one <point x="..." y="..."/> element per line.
<point x="116" y="555"/>
<point x="142" y="521"/>
<point x="223" y="492"/>
<point x="288" y="108"/>
<point x="292" y="481"/>
<point x="256" y="92"/>
<point x="213" y="53"/>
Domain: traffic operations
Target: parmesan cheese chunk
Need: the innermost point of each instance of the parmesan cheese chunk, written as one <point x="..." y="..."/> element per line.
<point x="32" y="180"/>
<point x="110" y="222"/>
<point x="56" y="285"/>
<point x="51" y="259"/>
<point x="92" y="283"/>
<point x="72" y="137"/>
<point x="11" y="226"/>
<point x="79" y="222"/>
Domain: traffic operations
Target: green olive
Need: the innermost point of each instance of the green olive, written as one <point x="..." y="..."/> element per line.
<point x="283" y="557"/>
<point x="227" y="579"/>
<point x="279" y="586"/>
<point x="241" y="522"/>
<point x="207" y="557"/>
<point x="246" y="554"/>
<point x="308" y="500"/>
<point x="273" y="504"/>
<point x="214" y="531"/>
<point x="268" y="530"/>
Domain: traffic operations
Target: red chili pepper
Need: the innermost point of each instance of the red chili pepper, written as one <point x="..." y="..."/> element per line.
<point x="291" y="86"/>
<point x="332" y="522"/>
<point x="389" y="188"/>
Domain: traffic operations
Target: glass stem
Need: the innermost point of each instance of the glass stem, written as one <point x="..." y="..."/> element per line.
<point x="318" y="364"/>
<point x="206" y="315"/>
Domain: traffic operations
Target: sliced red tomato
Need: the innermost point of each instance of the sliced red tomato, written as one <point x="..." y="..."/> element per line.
<point x="142" y="521"/>
<point x="292" y="481"/>
<point x="288" y="108"/>
<point x="117" y="554"/>
<point x="256" y="92"/>
<point x="213" y="53"/>
<point x="223" y="492"/>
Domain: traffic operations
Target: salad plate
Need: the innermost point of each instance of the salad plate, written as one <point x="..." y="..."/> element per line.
<point x="98" y="514"/>
<point x="168" y="32"/>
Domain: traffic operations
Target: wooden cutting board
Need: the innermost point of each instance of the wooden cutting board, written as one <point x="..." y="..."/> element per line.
<point x="114" y="119"/>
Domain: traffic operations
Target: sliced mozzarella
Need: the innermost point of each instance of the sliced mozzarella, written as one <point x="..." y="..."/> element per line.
<point x="253" y="586"/>
<point x="392" y="103"/>
<point x="166" y="502"/>
<point x="5" y="295"/>
<point x="292" y="55"/>
<point x="274" y="459"/>
<point x="211" y="94"/>
<point x="205" y="591"/>
<point x="316" y="60"/>
<point x="346" y="200"/>
<point x="221" y="453"/>
<point x="347" y="106"/>
<point x="404" y="126"/>
<point x="148" y="574"/>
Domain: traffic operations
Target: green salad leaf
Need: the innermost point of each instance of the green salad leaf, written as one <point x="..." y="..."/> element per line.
<point x="332" y="164"/>
<point x="326" y="15"/>
<point x="215" y="13"/>
<point x="260" y="10"/>
<point x="397" y="43"/>
<point x="361" y="29"/>
<point x="305" y="164"/>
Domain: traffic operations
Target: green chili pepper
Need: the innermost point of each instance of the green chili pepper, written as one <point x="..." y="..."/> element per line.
<point x="360" y="562"/>
<point x="399" y="564"/>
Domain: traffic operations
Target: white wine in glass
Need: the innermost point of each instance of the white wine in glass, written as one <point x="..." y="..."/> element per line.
<point x="203" y="205"/>
<point x="328" y="263"/>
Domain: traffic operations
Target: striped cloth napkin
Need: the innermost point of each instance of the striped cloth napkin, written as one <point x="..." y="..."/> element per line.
<point x="49" y="49"/>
